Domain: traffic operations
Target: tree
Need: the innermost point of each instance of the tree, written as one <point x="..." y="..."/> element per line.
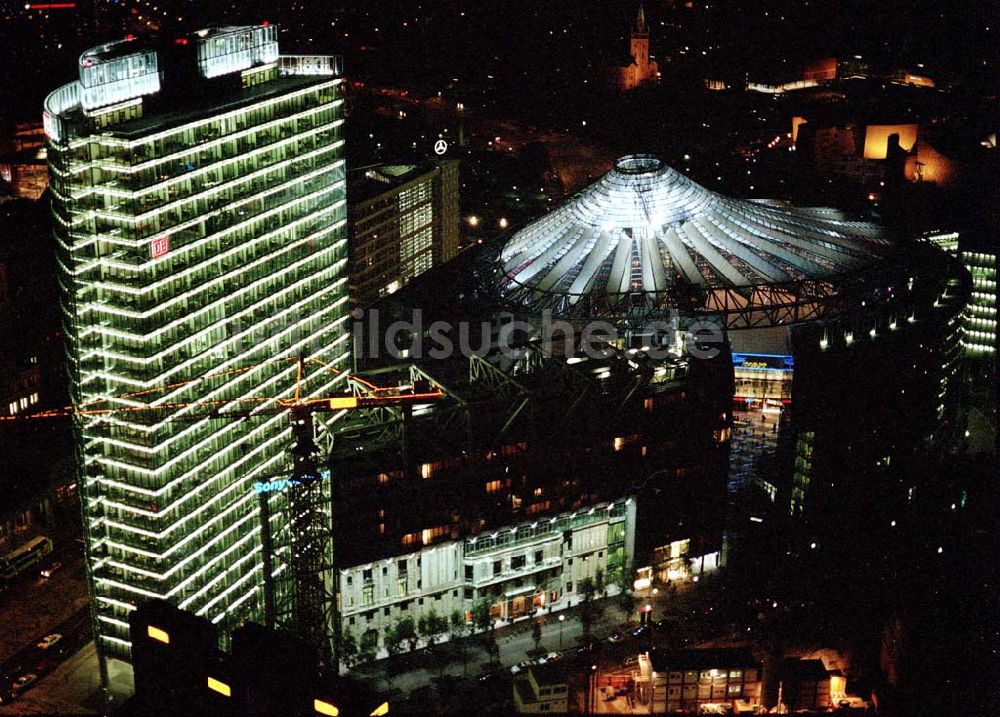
<point x="369" y="645"/>
<point x="436" y="625"/>
<point x="481" y="618"/>
<point x="431" y="625"/>
<point x="349" y="651"/>
<point x="599" y="583"/>
<point x="536" y="633"/>
<point x="493" y="648"/>
<point x="406" y="631"/>
<point x="393" y="640"/>
<point x="586" y="616"/>
<point x="626" y="602"/>
<point x="626" y="574"/>
<point x="586" y="587"/>
<point x="459" y="629"/>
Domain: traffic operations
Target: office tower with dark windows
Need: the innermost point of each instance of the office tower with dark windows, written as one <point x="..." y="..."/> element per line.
<point x="198" y="193"/>
<point x="403" y="219"/>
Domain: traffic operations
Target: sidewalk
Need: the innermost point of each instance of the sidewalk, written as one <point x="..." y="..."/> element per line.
<point x="514" y="641"/>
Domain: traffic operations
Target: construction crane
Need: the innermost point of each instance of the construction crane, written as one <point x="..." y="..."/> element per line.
<point x="311" y="607"/>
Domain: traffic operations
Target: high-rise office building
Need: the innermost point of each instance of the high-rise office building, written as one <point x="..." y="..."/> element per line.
<point x="979" y="323"/>
<point x="198" y="192"/>
<point x="403" y="219"/>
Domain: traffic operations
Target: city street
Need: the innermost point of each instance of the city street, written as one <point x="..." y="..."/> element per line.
<point x="74" y="687"/>
<point x="516" y="644"/>
<point x="34" y="605"/>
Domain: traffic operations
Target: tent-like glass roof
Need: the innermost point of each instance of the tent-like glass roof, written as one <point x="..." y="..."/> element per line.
<point x="644" y="228"/>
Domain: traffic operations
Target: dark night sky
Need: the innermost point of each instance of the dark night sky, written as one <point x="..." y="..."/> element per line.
<point x="523" y="41"/>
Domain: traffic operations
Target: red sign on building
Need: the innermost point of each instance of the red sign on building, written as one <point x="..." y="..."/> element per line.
<point x="160" y="247"/>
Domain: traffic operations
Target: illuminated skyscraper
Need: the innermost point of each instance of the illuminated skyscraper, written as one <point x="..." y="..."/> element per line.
<point x="198" y="192"/>
<point x="980" y="319"/>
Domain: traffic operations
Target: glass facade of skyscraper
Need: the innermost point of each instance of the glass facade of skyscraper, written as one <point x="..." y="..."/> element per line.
<point x="202" y="248"/>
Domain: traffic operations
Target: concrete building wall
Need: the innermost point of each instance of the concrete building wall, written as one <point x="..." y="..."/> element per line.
<point x="517" y="577"/>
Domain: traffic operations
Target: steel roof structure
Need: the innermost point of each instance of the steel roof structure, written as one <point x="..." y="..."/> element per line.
<point x="645" y="239"/>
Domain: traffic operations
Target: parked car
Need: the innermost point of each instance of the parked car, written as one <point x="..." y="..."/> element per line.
<point x="493" y="673"/>
<point x="50" y="569"/>
<point x="641" y="631"/>
<point x="514" y="669"/>
<point x="24" y="682"/>
<point x="49" y="640"/>
<point x="550" y="657"/>
<point x="616" y="637"/>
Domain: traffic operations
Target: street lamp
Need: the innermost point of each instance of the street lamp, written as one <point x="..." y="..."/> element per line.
<point x="591" y="689"/>
<point x="562" y="619"/>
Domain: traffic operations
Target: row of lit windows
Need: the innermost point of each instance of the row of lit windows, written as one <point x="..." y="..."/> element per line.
<point x="244" y="246"/>
<point x="21" y="404"/>
<point x="199" y="230"/>
<point x="228" y="186"/>
<point x="114" y="153"/>
<point x="274" y="378"/>
<point x="426" y="536"/>
<point x="223" y="317"/>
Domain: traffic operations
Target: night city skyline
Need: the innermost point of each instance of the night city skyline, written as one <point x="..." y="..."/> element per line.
<point x="631" y="357"/>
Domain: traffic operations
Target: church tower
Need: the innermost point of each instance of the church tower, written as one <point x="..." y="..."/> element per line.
<point x="639" y="48"/>
<point x="640" y="69"/>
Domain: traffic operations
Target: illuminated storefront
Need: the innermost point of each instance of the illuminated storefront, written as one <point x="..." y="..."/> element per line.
<point x="199" y="240"/>
<point x="762" y="381"/>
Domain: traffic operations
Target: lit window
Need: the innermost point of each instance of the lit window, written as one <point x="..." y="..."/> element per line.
<point x="221" y="687"/>
<point x="325" y="708"/>
<point x="158" y="634"/>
